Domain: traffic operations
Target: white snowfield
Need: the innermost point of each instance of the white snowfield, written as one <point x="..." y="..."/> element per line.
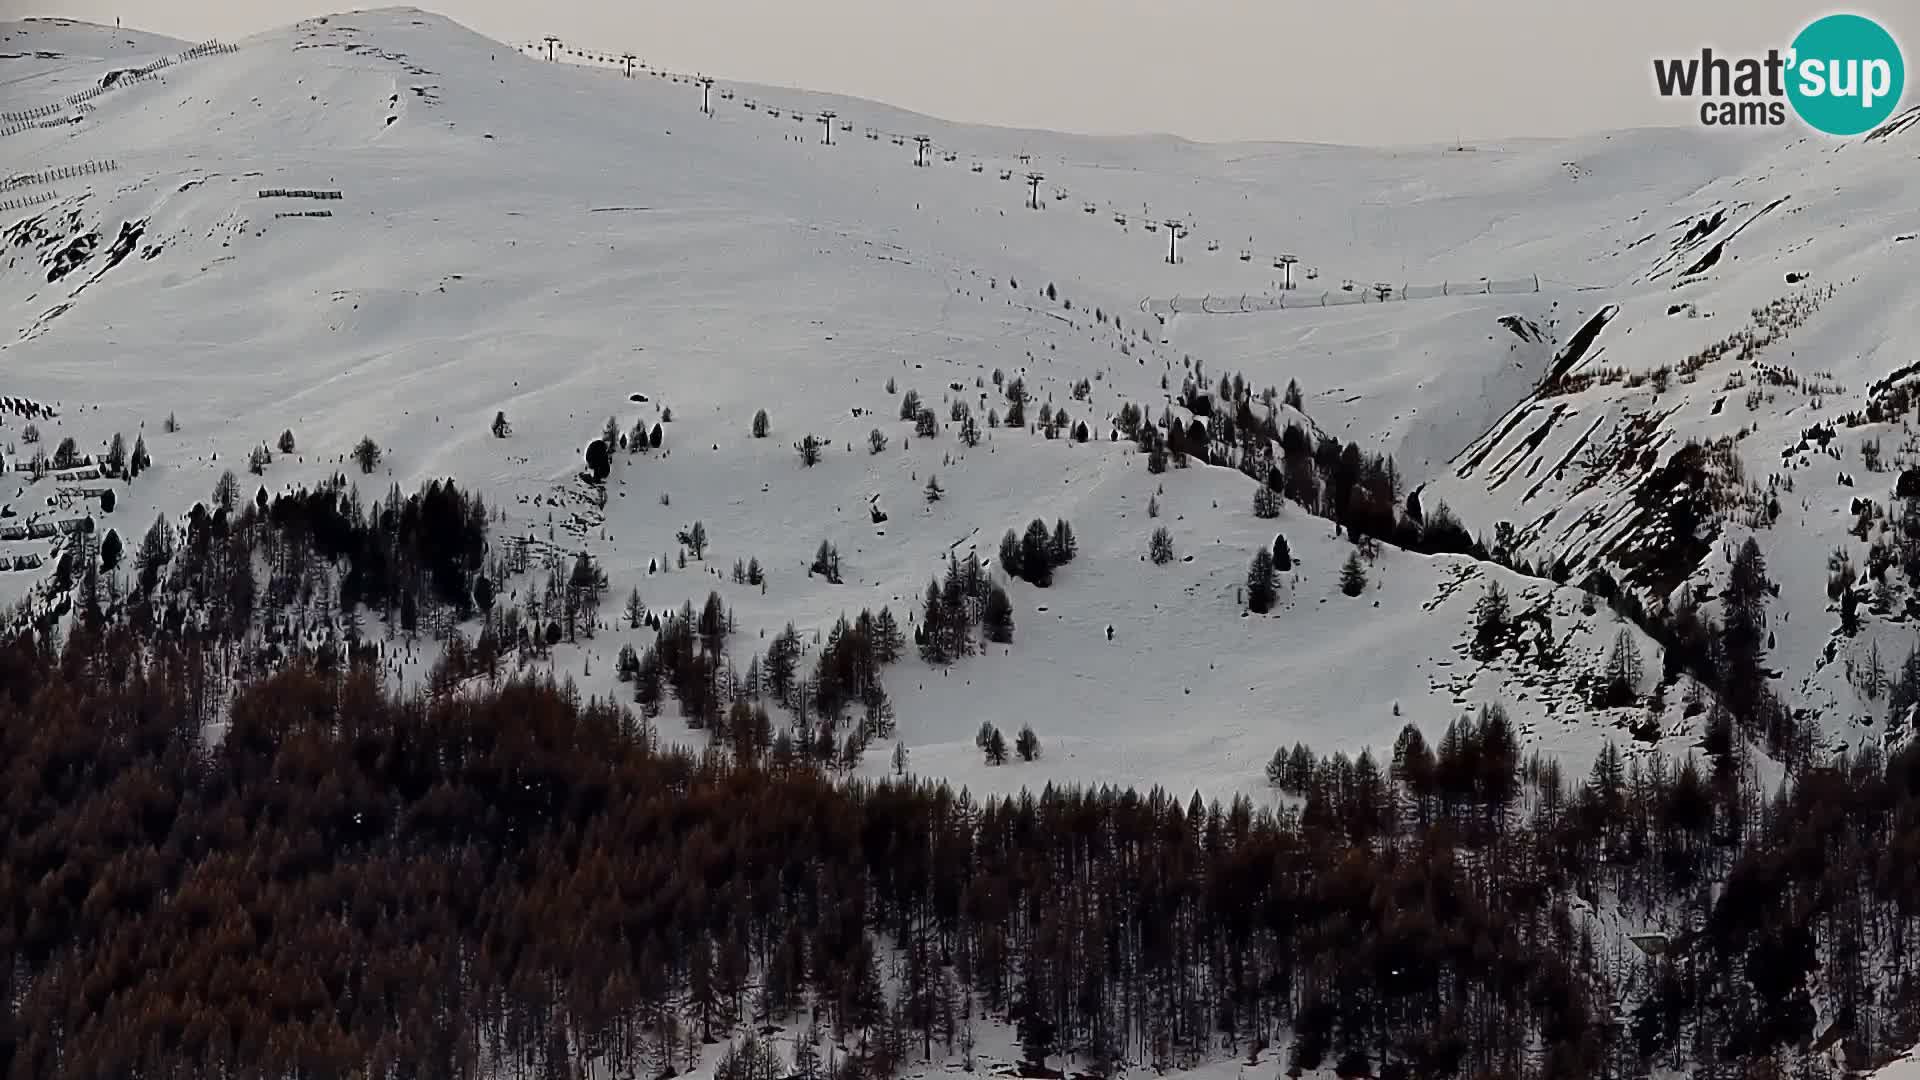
<point x="382" y="224"/>
<point x="1905" y="1068"/>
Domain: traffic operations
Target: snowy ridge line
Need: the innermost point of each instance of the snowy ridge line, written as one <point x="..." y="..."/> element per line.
<point x="12" y="123"/>
<point x="937" y="151"/>
<point x="1377" y="294"/>
<point x="64" y="172"/>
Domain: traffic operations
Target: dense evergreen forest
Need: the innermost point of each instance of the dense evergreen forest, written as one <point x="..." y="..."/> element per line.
<point x="494" y="877"/>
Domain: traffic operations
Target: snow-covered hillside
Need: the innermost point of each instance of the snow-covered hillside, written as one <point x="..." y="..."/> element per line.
<point x="382" y="225"/>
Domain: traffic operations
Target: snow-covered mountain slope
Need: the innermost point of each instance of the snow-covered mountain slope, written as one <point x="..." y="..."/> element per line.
<point x="1906" y="1068"/>
<point x="501" y="233"/>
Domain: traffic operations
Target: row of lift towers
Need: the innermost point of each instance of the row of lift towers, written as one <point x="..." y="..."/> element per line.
<point x="922" y="156"/>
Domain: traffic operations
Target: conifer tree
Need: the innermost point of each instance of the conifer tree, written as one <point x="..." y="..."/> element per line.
<point x="1262" y="591"/>
<point x="1353" y="576"/>
<point x="996" y="616"/>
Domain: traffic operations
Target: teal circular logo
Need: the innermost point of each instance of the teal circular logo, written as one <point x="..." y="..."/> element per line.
<point x="1846" y="74"/>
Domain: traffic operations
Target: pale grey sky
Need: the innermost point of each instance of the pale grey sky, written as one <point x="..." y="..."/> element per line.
<point x="1351" y="71"/>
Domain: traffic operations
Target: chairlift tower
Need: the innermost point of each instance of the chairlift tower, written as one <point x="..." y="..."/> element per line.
<point x="1383" y="290"/>
<point x="826" y="120"/>
<point x="1174" y="232"/>
<point x="921" y="144"/>
<point x="551" y="42"/>
<point x="629" y="58"/>
<point x="706" y="89"/>
<point x="1033" y="188"/>
<point x="1286" y="270"/>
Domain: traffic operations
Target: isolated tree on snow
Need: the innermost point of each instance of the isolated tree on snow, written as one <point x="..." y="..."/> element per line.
<point x="258" y="459"/>
<point x="809" y="448"/>
<point x="1027" y="743"/>
<point x="1282" y="557"/>
<point x="695" y="538"/>
<point x="599" y="459"/>
<point x="969" y="431"/>
<point x="366" y="454"/>
<point x="910" y="406"/>
<point x="226" y="491"/>
<point x="826" y="562"/>
<point x="876" y="441"/>
<point x="1353" y="576"/>
<point x="1160" y="546"/>
<point x="635" y="611"/>
<point x="899" y="759"/>
<point x="1266" y="502"/>
<point x="655" y="436"/>
<point x="115" y="463"/>
<point x="110" y="550"/>
<point x="995" y="747"/>
<point x="934" y="491"/>
<point x="286" y="441"/>
<point x="1623" y="672"/>
<point x="501" y="429"/>
<point x="761" y="424"/>
<point x="1262" y="590"/>
<point x="1489" y="621"/>
<point x="926" y="425"/>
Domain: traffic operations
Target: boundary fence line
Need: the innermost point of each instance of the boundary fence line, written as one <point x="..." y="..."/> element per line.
<point x="1381" y="293"/>
<point x="64" y="172"/>
<point x="12" y="123"/>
